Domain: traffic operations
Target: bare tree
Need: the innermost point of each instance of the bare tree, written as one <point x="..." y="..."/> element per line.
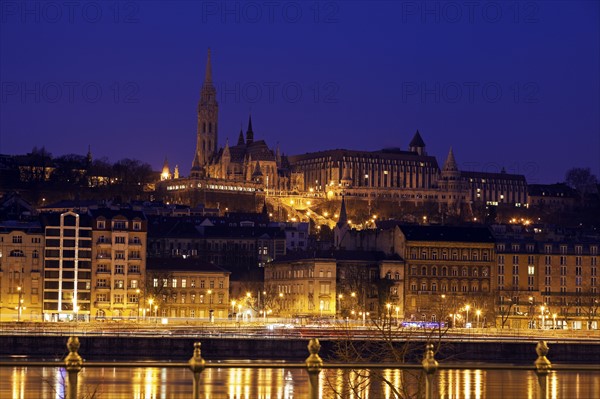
<point x="390" y="343"/>
<point x="582" y="180"/>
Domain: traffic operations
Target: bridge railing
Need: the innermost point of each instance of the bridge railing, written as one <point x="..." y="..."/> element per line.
<point x="314" y="364"/>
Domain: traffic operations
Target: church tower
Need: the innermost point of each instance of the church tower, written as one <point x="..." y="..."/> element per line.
<point x="208" y="115"/>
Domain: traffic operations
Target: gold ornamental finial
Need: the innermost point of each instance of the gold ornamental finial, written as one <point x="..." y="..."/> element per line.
<point x="314" y="361"/>
<point x="197" y="363"/>
<point x="73" y="361"/>
<point x="542" y="363"/>
<point x="429" y="363"/>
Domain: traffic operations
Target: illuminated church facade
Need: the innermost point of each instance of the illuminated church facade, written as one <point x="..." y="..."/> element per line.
<point x="405" y="175"/>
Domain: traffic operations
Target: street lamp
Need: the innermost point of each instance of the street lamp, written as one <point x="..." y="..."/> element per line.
<point x="150" y="302"/>
<point x="19" y="304"/>
<point x="233" y="308"/>
<point x="210" y="310"/>
<point x="340" y="297"/>
<point x="467" y="307"/>
<point x="137" y="292"/>
<point x="156" y="313"/>
<point x="389" y="311"/>
<point x="478" y="313"/>
<point x="554" y="321"/>
<point x="543" y="309"/>
<point x="397" y="317"/>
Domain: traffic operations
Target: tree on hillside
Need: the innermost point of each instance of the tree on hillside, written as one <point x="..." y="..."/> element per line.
<point x="582" y="180"/>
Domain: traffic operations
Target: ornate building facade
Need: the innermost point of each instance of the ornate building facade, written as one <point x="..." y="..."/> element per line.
<point x="251" y="166"/>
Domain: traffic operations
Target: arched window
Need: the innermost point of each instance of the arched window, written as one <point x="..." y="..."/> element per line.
<point x="397" y="276"/>
<point x="434" y="271"/>
<point x="423" y="271"/>
<point x="465" y="272"/>
<point x="35" y="254"/>
<point x="444" y="271"/>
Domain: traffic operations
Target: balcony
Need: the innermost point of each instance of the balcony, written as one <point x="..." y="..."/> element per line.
<point x="103" y="242"/>
<point x="104" y="256"/>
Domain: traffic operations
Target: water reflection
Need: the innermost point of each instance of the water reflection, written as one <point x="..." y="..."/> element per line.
<point x="241" y="383"/>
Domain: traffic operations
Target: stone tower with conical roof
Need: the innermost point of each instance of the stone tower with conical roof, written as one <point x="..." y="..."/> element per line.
<point x="417" y="144"/>
<point x="450" y="170"/>
<point x="207" y="130"/>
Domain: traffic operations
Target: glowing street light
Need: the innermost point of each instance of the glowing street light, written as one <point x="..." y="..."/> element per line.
<point x="478" y="313"/>
<point x="543" y="309"/>
<point x="397" y="316"/>
<point x="137" y="293"/>
<point x="20" y="304"/>
<point x="150" y="302"/>
<point x="467" y="307"/>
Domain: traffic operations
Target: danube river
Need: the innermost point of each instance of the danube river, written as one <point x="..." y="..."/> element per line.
<point x="246" y="383"/>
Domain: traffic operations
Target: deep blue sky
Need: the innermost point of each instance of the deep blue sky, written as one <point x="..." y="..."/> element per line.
<point x="513" y="84"/>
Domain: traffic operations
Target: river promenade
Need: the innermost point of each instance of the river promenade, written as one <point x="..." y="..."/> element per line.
<point x="117" y="341"/>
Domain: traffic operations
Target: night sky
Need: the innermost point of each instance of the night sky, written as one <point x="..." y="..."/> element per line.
<point x="513" y="84"/>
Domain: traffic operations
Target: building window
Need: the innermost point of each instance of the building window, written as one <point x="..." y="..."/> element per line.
<point x="531" y="270"/>
<point x="155" y="283"/>
<point x="119" y="269"/>
<point x="119" y="284"/>
<point x="137" y="226"/>
<point x="118" y="298"/>
<point x="100" y="224"/>
<point x="174" y="283"/>
<point x="183" y="283"/>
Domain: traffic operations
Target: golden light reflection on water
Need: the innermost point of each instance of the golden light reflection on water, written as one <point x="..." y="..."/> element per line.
<point x="240" y="383"/>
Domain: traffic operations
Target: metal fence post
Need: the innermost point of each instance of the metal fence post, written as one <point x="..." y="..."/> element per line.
<point x="430" y="366"/>
<point x="542" y="368"/>
<point x="73" y="364"/>
<point x="314" y="364"/>
<point x="196" y="364"/>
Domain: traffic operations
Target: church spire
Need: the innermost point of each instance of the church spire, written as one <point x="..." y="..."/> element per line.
<point x="241" y="138"/>
<point x="249" y="132"/>
<point x="208" y="74"/>
<point x="343" y="220"/>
